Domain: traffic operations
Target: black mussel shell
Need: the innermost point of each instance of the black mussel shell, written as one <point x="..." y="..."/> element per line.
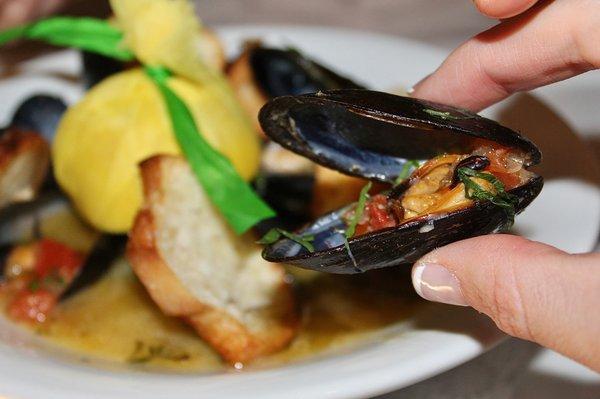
<point x="97" y="67"/>
<point x="41" y="114"/>
<point x="21" y="222"/>
<point x="288" y="72"/>
<point x="289" y="195"/>
<point x="397" y="245"/>
<point x="98" y="262"/>
<point x="372" y="134"/>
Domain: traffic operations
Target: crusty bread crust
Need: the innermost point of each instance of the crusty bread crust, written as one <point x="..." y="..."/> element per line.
<point x="250" y="96"/>
<point x="265" y="331"/>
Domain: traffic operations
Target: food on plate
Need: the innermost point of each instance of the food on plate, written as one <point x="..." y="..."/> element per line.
<point x="123" y="121"/>
<point x="194" y="267"/>
<point x="142" y="247"/>
<point x="168" y="33"/>
<point x="471" y="176"/>
<point x="25" y="148"/>
<point x="261" y="73"/>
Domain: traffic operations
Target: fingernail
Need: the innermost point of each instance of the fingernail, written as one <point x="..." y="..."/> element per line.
<point x="435" y="283"/>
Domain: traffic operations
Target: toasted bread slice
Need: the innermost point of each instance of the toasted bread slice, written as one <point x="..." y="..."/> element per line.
<point x="194" y="267"/>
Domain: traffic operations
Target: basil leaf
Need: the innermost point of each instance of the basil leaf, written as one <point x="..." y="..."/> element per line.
<point x="239" y="204"/>
<point x="446" y="115"/>
<point x="500" y="198"/>
<point x="350" y="254"/>
<point x="275" y="234"/>
<point x="90" y="34"/>
<point x="359" y="210"/>
<point x="406" y="170"/>
<point x="271" y="237"/>
<point x="439" y="114"/>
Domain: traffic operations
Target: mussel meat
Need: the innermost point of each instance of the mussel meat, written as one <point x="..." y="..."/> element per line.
<point x="471" y="176"/>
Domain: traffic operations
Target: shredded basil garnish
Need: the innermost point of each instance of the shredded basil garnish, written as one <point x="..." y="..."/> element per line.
<point x="275" y="234"/>
<point x="350" y="254"/>
<point x="359" y="210"/>
<point x="446" y="115"/>
<point x="500" y="198"/>
<point x="406" y="170"/>
<point x="144" y="353"/>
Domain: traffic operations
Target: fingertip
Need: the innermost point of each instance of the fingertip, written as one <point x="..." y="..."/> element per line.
<point x="502" y="9"/>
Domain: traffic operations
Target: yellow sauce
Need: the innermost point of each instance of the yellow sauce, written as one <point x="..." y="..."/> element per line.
<point x="116" y="321"/>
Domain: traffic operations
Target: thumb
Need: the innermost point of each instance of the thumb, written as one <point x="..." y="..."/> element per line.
<point x="530" y="290"/>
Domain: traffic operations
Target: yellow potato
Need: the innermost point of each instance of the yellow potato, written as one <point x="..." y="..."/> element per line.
<point x="122" y="121"/>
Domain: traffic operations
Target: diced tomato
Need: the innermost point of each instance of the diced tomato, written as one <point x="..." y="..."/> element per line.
<point x="377" y="216"/>
<point x="54" y="257"/>
<point x="28" y="305"/>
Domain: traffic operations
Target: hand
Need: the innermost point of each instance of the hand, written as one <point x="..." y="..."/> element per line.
<point x="549" y="42"/>
<point x="531" y="290"/>
<point x="16" y="12"/>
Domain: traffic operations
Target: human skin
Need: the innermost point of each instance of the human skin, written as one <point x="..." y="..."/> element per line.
<point x="531" y="290"/>
<point x="15" y="12"/>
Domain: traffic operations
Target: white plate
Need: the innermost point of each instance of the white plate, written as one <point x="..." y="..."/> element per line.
<point x="438" y="338"/>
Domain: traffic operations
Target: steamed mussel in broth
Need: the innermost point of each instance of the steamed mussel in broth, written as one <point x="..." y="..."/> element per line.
<point x="262" y="73"/>
<point x="296" y="188"/>
<point x="469" y="176"/>
<point x="25" y="148"/>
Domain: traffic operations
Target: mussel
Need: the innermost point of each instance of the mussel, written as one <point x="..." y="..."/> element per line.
<point x="296" y="190"/>
<point x="40" y="113"/>
<point x="378" y="136"/>
<point x="25" y="148"/>
<point x="23" y="226"/>
<point x="262" y="73"/>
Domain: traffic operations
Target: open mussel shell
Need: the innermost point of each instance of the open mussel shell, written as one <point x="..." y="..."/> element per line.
<point x="373" y="135"/>
<point x="105" y="252"/>
<point x="397" y="245"/>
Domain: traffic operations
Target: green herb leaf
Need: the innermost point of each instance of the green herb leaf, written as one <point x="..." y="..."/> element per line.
<point x="275" y="234"/>
<point x="144" y="353"/>
<point x="90" y="34"/>
<point x="500" y="198"/>
<point x="271" y="237"/>
<point x="239" y="204"/>
<point x="439" y="114"/>
<point x="350" y="254"/>
<point x="446" y="115"/>
<point x="406" y="170"/>
<point x="359" y="210"/>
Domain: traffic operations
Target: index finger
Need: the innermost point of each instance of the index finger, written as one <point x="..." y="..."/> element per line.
<point x="502" y="9"/>
<point x="550" y="42"/>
